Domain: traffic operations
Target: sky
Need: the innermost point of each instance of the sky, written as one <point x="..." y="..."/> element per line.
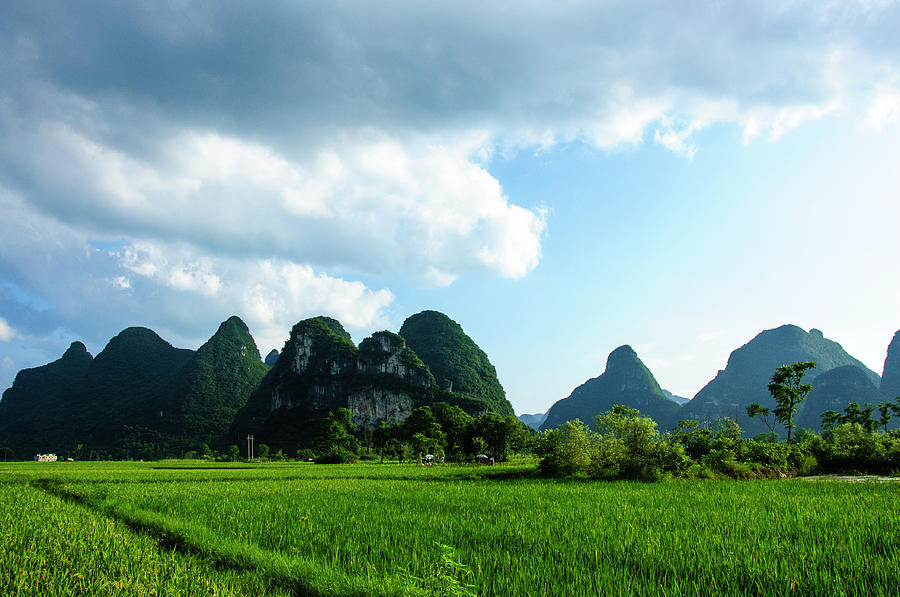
<point x="560" y="178"/>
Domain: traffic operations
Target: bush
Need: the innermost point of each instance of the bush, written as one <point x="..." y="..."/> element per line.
<point x="338" y="457"/>
<point x="566" y="450"/>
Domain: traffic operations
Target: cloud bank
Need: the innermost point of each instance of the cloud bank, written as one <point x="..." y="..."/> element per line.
<point x="269" y="157"/>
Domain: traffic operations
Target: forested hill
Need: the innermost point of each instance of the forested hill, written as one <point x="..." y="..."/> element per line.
<point x="745" y="378"/>
<point x="139" y="398"/>
<point x="625" y="381"/>
<point x="455" y="360"/>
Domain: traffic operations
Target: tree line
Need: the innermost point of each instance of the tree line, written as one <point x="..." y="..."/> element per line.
<point x="624" y="444"/>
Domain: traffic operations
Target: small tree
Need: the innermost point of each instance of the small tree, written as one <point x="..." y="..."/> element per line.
<point x="788" y="390"/>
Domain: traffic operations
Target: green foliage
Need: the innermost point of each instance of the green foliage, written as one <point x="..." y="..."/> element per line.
<point x="446" y="578"/>
<point x="863" y="416"/>
<point x="852" y="447"/>
<point x="625" y="446"/>
<point x="453" y="357"/>
<point x="788" y="390"/>
<point x="756" y="411"/>
<point x="336" y="442"/>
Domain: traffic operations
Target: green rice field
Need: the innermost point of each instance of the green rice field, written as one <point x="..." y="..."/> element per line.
<point x="368" y="529"/>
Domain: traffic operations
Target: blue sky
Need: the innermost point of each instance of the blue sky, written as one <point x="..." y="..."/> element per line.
<point x="560" y="178"/>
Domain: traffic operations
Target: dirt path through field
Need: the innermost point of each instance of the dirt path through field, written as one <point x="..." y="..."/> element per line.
<point x="851" y="478"/>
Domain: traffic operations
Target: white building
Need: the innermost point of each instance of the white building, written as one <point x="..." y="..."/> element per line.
<point x="45" y="457"/>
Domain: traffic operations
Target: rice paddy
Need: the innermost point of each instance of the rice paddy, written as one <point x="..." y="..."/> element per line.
<point x="369" y="529"/>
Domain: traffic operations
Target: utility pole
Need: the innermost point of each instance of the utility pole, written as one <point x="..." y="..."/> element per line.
<point x="249" y="448"/>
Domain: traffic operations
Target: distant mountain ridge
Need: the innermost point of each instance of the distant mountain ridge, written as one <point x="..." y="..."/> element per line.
<point x="142" y="397"/>
<point x="890" y="379"/>
<point x="139" y="398"/>
<point x="534" y="421"/>
<point x="746" y="376"/>
<point x="625" y="381"/>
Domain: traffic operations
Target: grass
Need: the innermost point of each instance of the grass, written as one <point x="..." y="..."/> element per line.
<point x="392" y="529"/>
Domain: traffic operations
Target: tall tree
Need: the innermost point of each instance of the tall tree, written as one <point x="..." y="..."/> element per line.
<point x="788" y="390"/>
<point x="336" y="442"/>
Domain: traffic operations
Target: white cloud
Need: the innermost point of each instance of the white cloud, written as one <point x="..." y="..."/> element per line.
<point x="176" y="289"/>
<point x="121" y="282"/>
<point x="6" y="332"/>
<point x="372" y="205"/>
<point x="884" y="110"/>
<point x="280" y="294"/>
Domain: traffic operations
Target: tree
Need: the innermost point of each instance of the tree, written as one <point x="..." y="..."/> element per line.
<point x="497" y="431"/>
<point x="788" y="390"/>
<point x="456" y="425"/>
<point x="336" y="442"/>
<point x="234" y="453"/>
<point x="884" y="414"/>
<point x="854" y="414"/>
<point x="380" y="438"/>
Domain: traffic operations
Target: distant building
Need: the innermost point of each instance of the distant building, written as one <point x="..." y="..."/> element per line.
<point x="45" y="457"/>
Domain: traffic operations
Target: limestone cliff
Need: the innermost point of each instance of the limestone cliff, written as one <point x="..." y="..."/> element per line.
<point x="320" y="370"/>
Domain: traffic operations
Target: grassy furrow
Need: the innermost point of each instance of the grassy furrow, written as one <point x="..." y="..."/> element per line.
<point x="369" y="529"/>
<point x="50" y="547"/>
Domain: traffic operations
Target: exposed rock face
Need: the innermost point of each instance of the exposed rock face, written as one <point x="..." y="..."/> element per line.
<point x="890" y="381"/>
<point x="458" y="364"/>
<point x="834" y="390"/>
<point x="271" y="358"/>
<point x="320" y="370"/>
<point x="746" y="378"/>
<point x="626" y="381"/>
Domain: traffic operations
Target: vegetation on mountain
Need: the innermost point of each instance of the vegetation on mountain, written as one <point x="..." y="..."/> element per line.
<point x="206" y="393"/>
<point x="139" y="398"/>
<point x="745" y="378"/>
<point x="834" y="390"/>
<point x="625" y="381"/>
<point x="30" y="411"/>
<point x="456" y="362"/>
<point x="890" y="379"/>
